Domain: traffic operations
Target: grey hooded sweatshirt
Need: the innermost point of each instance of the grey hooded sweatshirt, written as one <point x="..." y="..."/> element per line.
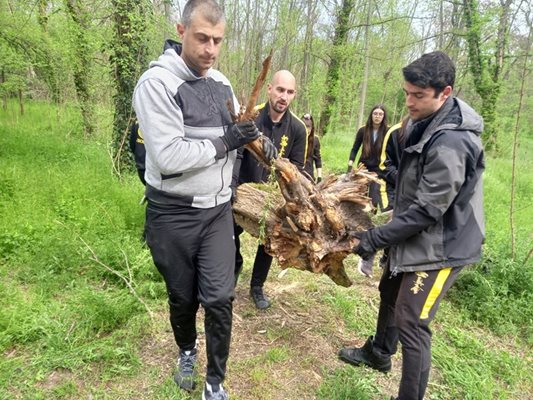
<point x="181" y="115"/>
<point x="438" y="217"/>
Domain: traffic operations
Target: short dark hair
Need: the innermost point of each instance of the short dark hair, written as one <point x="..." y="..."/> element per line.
<point x="435" y="70"/>
<point x="210" y="9"/>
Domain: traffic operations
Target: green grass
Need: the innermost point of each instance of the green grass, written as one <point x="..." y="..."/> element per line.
<point x="70" y="328"/>
<point x="59" y="308"/>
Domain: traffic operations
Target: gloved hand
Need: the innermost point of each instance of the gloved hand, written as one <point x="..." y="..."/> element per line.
<point x="364" y="249"/>
<point x="269" y="149"/>
<point x="240" y="134"/>
<point x="318" y="179"/>
<point x="349" y="169"/>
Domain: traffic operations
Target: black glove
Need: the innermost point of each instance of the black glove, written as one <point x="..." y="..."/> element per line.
<point x="269" y="150"/>
<point x="240" y="134"/>
<point x="349" y="169"/>
<point x="365" y="249"/>
<point x="318" y="179"/>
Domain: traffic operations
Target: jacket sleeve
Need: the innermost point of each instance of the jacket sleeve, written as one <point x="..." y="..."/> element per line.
<point x="161" y="121"/>
<point x="299" y="147"/>
<point x="444" y="171"/>
<point x="388" y="165"/>
<point x="357" y="144"/>
<point x="317" y="157"/>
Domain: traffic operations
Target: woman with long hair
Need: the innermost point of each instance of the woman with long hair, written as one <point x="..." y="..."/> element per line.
<point x="369" y="139"/>
<point x="313" y="159"/>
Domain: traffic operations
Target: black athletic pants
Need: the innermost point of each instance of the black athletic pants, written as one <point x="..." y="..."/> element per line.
<point x="193" y="249"/>
<point x="262" y="261"/>
<point x="409" y="302"/>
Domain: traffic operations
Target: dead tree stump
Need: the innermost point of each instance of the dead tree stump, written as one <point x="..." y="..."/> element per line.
<point x="306" y="226"/>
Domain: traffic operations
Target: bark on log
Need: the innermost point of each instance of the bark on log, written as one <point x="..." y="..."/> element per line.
<point x="306" y="226"/>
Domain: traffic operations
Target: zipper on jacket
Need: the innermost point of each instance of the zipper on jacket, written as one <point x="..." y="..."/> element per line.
<point x="224" y="128"/>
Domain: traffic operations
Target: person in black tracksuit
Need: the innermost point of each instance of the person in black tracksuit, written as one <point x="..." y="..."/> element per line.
<point x="289" y="135"/>
<point x="369" y="139"/>
<point x="437" y="226"/>
<point x="313" y="158"/>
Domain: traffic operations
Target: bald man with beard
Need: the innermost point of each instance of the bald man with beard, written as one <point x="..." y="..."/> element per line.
<point x="289" y="135"/>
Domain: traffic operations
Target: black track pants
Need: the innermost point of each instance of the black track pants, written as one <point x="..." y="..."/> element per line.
<point x="409" y="302"/>
<point x="262" y="261"/>
<point x="193" y="249"/>
<point x="262" y="264"/>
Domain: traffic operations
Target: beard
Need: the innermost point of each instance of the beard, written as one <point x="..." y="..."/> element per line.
<point x="279" y="107"/>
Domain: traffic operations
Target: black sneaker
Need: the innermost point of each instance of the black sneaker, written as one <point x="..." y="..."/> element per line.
<point x="214" y="392"/>
<point x="366" y="355"/>
<point x="261" y="301"/>
<point x="186" y="373"/>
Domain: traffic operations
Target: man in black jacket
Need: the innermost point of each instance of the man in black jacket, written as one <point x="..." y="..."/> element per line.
<point x="437" y="226"/>
<point x="289" y="135"/>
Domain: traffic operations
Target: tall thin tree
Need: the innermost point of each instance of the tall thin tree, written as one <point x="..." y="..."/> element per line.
<point x="340" y="39"/>
<point x="127" y="60"/>
<point x="82" y="62"/>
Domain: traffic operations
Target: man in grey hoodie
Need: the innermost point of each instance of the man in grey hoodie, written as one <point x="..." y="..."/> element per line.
<point x="437" y="226"/>
<point x="181" y="105"/>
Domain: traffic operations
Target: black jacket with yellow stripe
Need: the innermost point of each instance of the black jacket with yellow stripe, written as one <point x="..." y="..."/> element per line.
<point x="389" y="163"/>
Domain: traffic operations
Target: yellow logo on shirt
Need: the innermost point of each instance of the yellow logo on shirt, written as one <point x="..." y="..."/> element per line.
<point x="283" y="144"/>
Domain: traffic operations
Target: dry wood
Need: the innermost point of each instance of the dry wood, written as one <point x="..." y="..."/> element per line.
<point x="303" y="225"/>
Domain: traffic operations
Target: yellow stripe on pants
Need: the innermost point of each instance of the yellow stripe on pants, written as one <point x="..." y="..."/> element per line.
<point x="435" y="292"/>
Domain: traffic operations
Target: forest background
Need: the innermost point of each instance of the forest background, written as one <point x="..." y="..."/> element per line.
<point x="82" y="309"/>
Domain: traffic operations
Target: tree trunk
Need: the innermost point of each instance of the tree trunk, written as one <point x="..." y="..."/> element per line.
<point x="337" y="57"/>
<point x="362" y="100"/>
<point x="21" y="102"/>
<point x="128" y="60"/>
<point x="515" y="141"/>
<point x="4" y="97"/>
<point x="82" y="64"/>
<point x="486" y="71"/>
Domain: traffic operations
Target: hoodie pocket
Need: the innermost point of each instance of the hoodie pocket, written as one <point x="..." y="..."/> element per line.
<point x="171" y="176"/>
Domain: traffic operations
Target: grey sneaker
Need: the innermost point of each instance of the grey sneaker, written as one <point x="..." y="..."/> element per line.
<point x="365" y="267"/>
<point x="214" y="392"/>
<point x="261" y="301"/>
<point x="186" y="373"/>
